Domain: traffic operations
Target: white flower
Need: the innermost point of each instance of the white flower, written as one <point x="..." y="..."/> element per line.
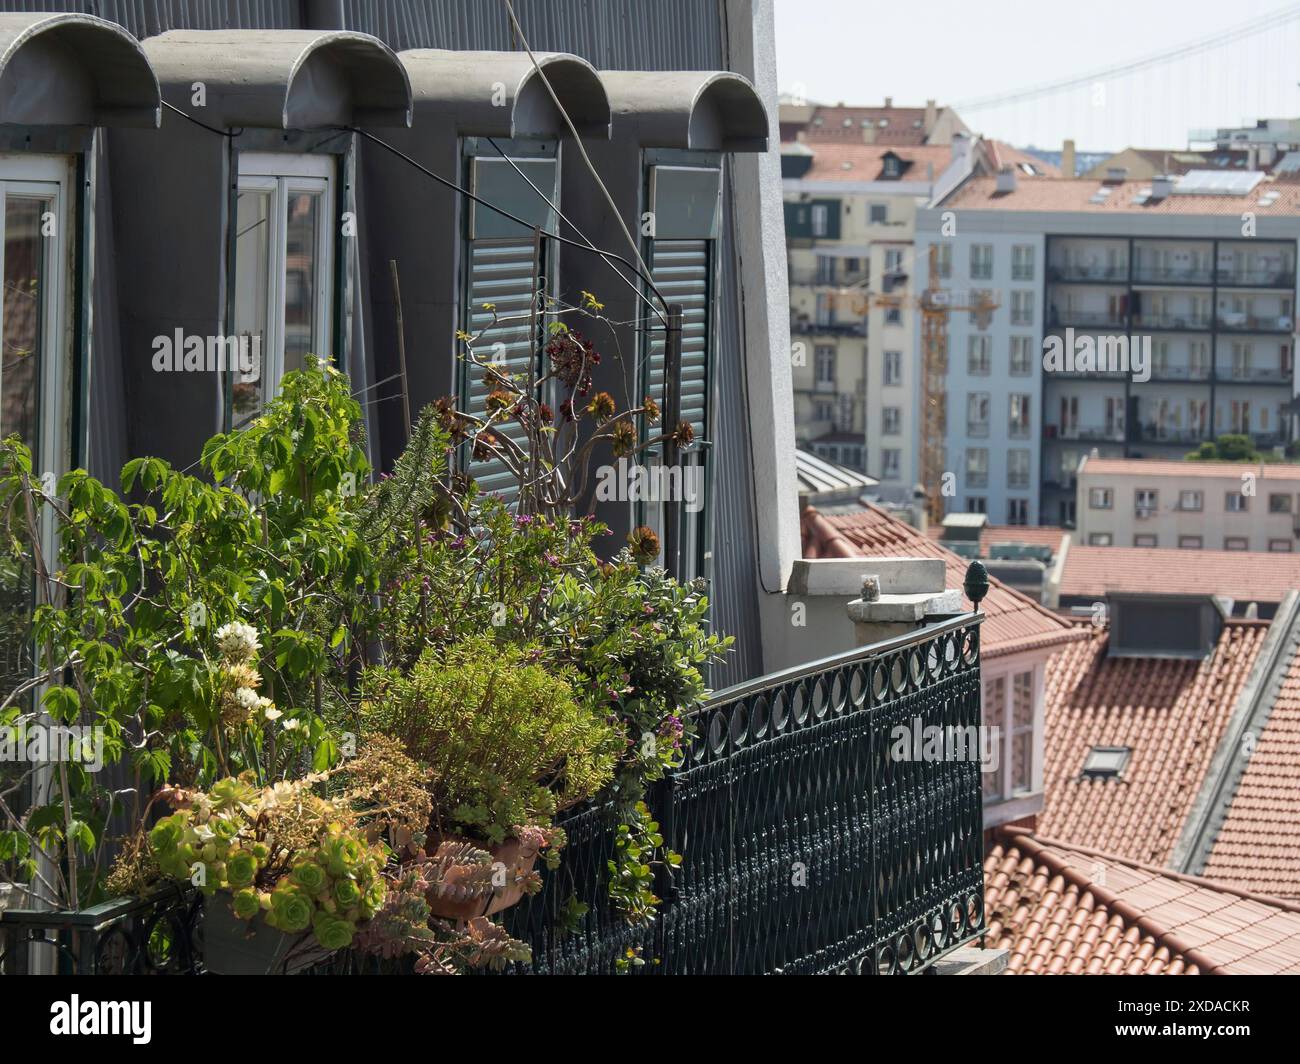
<point x="268" y="709"/>
<point x="292" y="724"/>
<point x="238" y="641"/>
<point x="248" y="699"/>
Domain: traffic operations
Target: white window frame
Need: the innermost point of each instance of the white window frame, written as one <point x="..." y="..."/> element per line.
<point x="1001" y="717"/>
<point x="285" y="174"/>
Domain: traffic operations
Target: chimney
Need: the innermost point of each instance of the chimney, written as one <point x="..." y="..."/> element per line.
<point x="1067" y="159"/>
<point x="889" y="102"/>
<point x="960" y="147"/>
<point x="1252" y="157"/>
<point x="931" y="115"/>
<point x="1006" y="180"/>
<point x="1162" y="186"/>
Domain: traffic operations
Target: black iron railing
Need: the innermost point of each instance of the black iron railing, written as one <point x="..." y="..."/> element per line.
<point x="813" y="842"/>
<point x="809" y="847"/>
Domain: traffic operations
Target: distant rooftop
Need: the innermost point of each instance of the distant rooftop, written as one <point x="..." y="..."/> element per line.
<point x="1090" y="195"/>
<point x="1245" y="576"/>
<point x="1157" y="467"/>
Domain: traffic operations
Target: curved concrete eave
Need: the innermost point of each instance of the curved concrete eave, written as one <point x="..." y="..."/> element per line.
<point x="501" y="94"/>
<point x="703" y="110"/>
<point x="74" y="70"/>
<point x="282" y="79"/>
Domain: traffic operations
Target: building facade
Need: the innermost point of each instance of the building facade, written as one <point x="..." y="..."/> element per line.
<point x="1139" y="320"/>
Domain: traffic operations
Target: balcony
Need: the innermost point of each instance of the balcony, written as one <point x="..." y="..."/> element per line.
<point x="1173" y="275"/>
<point x="1089" y="274"/>
<point x="1179" y="373"/>
<point x="823" y="279"/>
<point x="1151" y="433"/>
<point x="1085" y="319"/>
<point x="1232" y="278"/>
<point x="1172" y="322"/>
<point x="1111" y="433"/>
<point x="1232" y="321"/>
<point x="790" y="768"/>
<point x="805" y="327"/>
<point x="1252" y="375"/>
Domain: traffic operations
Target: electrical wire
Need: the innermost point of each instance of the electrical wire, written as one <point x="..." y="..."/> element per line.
<point x="203" y="125"/>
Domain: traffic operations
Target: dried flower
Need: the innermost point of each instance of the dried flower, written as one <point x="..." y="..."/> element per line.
<point x="644" y="543"/>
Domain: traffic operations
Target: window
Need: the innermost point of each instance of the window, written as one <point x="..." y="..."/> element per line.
<point x="1018" y="419"/>
<point x="823" y="411"/>
<point x="1236" y="503"/>
<point x="821" y="218"/>
<point x="977" y="467"/>
<point x="1017" y="511"/>
<point x="977" y="414"/>
<point x="890" y="463"/>
<point x="891" y="418"/>
<point x="34" y="370"/>
<point x="983" y="298"/>
<point x="1022" y="732"/>
<point x="943" y="261"/>
<point x="879" y="213"/>
<point x="824" y="358"/>
<point x="1146" y="540"/>
<point x="893" y="316"/>
<point x="1022" y="262"/>
<point x="977" y="504"/>
<point x="1100" y="498"/>
<point x="1022" y="356"/>
<point x="284" y="219"/>
<point x="1279" y="503"/>
<point x="981" y="262"/>
<point x="1191" y="501"/>
<point x="893" y="367"/>
<point x="1106" y="762"/>
<point x="979" y="355"/>
<point x="994" y="716"/>
<point x="1189" y="542"/>
<point x="1145" y="502"/>
<point x="1017" y="468"/>
<point x="1100" y="539"/>
<point x="1022" y="307"/>
<point x="1280" y="546"/>
<point x="1236" y="543"/>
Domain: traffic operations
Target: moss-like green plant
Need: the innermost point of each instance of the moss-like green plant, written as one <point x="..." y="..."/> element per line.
<point x="507" y="743"/>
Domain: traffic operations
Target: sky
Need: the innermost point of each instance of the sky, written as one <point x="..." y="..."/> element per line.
<point x="860" y="51"/>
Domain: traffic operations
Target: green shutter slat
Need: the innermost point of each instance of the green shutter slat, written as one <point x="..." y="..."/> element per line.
<point x="501" y="272"/>
<point x="680" y="269"/>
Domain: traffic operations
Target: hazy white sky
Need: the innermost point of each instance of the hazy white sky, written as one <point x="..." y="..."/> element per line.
<point x="860" y="51"/>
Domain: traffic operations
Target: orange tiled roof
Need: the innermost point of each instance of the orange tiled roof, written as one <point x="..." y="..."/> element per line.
<point x="1248" y="576"/>
<point x="1258" y="844"/>
<point x="1013" y="622"/>
<point x="846" y="161"/>
<point x="906" y="125"/>
<point x="1170" y="713"/>
<point x="1075" y="194"/>
<point x="1030" y="535"/>
<point x="1061" y="909"/>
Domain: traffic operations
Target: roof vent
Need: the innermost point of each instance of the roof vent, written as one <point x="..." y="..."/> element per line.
<point x="1162" y="187"/>
<point x="1106" y="762"/>
<point x="1006" y="180"/>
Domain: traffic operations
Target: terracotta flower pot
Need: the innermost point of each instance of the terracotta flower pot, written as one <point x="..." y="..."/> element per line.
<point x="518" y="860"/>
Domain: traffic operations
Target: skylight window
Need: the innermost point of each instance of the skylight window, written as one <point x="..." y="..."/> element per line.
<point x="1106" y="762"/>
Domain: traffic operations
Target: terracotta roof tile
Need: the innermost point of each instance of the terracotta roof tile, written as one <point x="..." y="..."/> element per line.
<point x="1161" y="467"/>
<point x="1170" y="713"/>
<point x="845" y="161"/>
<point x="1029" y="535"/>
<point x="1258" y="844"/>
<point x="1013" y="622"/>
<point x="1060" y="909"/>
<point x="1247" y="576"/>
<point x="1075" y="194"/>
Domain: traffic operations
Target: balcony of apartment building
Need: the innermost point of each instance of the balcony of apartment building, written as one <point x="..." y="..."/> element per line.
<point x="1256" y="264"/>
<point x="813" y="325"/>
<point x="831" y="271"/>
<point x="1261" y="322"/>
<point x="1173" y="263"/>
<point x="1267" y="362"/>
<point x="1083" y="260"/>
<point x="1077" y="432"/>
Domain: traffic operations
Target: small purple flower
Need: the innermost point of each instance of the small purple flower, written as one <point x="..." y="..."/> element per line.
<point x="458" y="543"/>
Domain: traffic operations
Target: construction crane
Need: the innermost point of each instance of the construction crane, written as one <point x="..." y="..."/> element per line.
<point x="935" y="305"/>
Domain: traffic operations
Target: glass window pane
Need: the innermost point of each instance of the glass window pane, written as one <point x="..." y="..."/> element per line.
<point x="995" y="696"/>
<point x="24" y="267"/>
<point x="1022" y="700"/>
<point x="301" y="279"/>
<point x="252" y="296"/>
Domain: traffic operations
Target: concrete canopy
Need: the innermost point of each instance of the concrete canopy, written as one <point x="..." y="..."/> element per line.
<point x="73" y="70"/>
<point x="499" y="94"/>
<point x="282" y="79"/>
<point x="705" y="110"/>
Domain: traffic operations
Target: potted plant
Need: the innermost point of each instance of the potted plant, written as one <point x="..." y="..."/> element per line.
<point x="508" y="745"/>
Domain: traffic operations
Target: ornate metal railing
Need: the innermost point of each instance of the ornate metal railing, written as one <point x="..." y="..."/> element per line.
<point x="809" y="847"/>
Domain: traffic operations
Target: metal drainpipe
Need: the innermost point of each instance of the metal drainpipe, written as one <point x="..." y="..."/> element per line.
<point x="671" y="417"/>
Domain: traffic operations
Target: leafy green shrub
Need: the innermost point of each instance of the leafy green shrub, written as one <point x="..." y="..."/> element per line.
<point x="507" y="742"/>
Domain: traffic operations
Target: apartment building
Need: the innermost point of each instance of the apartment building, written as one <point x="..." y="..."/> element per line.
<point x="1190" y="505"/>
<point x="1168" y="310"/>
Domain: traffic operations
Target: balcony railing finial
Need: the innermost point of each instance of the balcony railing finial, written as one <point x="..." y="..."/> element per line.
<point x="977" y="582"/>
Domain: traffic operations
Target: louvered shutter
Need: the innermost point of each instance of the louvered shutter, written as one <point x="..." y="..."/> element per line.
<point x="685" y="205"/>
<point x="505" y="264"/>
